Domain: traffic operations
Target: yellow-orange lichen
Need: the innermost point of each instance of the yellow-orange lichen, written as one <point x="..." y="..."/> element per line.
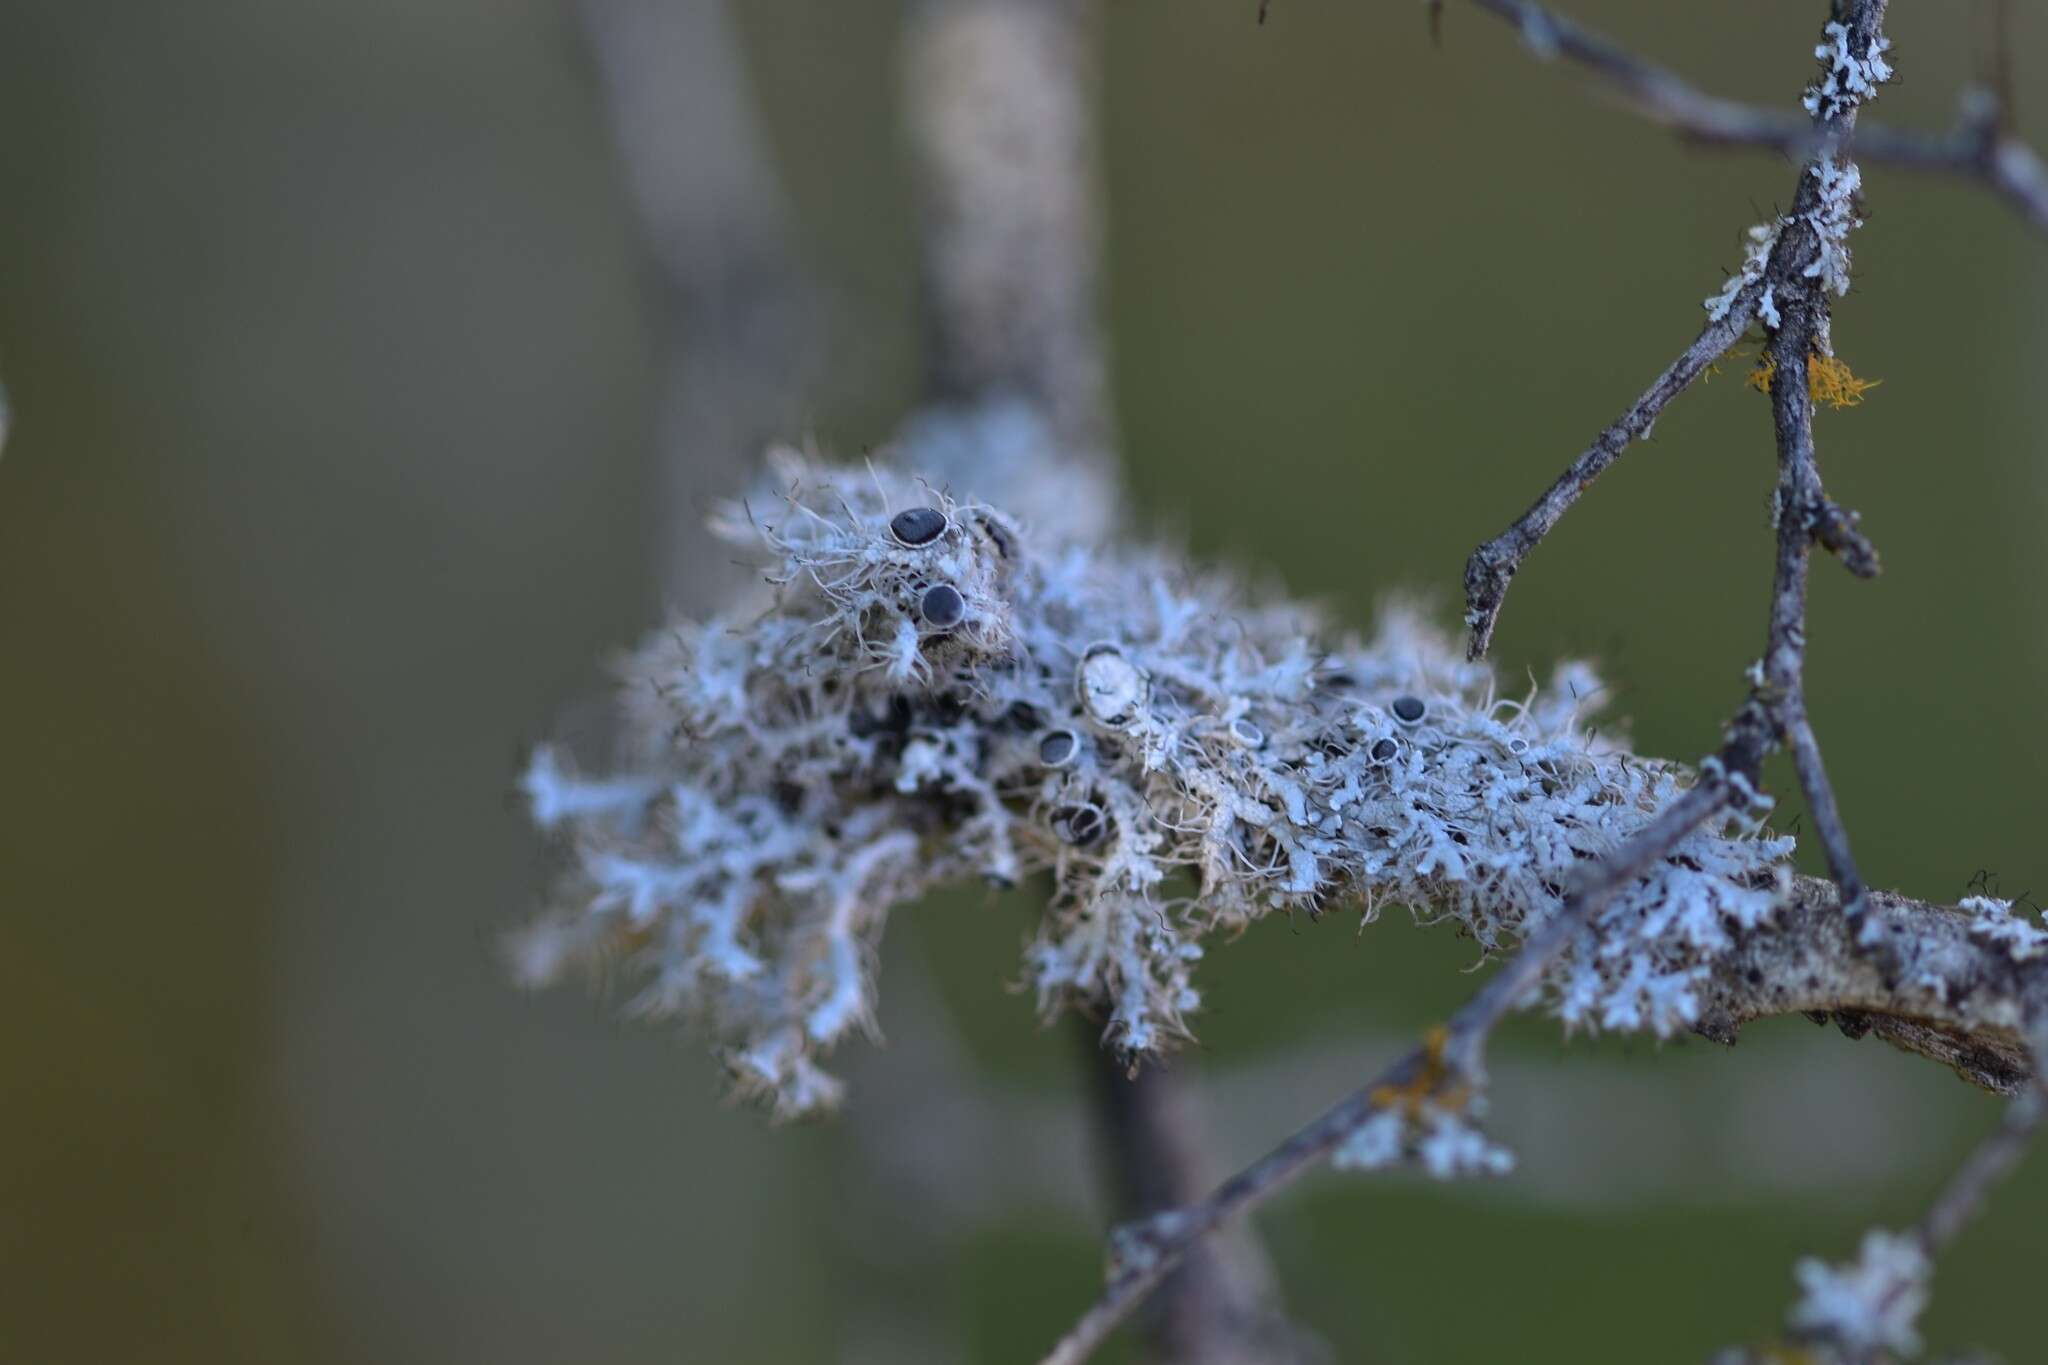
<point x="1828" y="380"/>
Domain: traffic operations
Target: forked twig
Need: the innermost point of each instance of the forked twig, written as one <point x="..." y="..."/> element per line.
<point x="1794" y="288"/>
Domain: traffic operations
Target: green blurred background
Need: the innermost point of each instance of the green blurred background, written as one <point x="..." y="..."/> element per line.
<point x="334" y="362"/>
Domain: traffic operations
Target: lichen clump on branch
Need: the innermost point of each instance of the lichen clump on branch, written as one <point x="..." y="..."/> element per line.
<point x="932" y="691"/>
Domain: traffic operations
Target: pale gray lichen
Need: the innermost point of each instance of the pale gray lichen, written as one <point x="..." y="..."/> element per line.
<point x="1832" y="219"/>
<point x="1846" y="79"/>
<point x="1762" y="238"/>
<point x="1994" y="922"/>
<point x="1846" y="82"/>
<point x="1442" y="1139"/>
<point x="1871" y="1304"/>
<point x="1182" y="755"/>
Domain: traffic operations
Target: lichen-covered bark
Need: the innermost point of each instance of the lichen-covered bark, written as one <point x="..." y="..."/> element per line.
<point x="1940" y="988"/>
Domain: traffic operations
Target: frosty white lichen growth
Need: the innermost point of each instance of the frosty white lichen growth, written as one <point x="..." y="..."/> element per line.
<point x="1443" y="1141"/>
<point x="1846" y="82"/>
<point x="1452" y="1147"/>
<point x="1996" y="923"/>
<point x="1378" y="1143"/>
<point x="1871" y="1304"/>
<point x="1832" y="220"/>
<point x="934" y="691"/>
<point x="1767" y="309"/>
<point x="1846" y="79"/>
<point x="1762" y="238"/>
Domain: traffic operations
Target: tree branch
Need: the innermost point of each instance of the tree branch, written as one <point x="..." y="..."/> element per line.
<point x="1980" y="147"/>
<point x="713" y="223"/>
<point x="1806" y="257"/>
<point x="1941" y="992"/>
<point x="1494" y="565"/>
<point x="1218" y="1307"/>
<point x="999" y="97"/>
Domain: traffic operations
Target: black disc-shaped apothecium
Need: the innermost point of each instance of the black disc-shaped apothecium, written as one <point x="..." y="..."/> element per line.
<point x="943" y="606"/>
<point x="1056" y="749"/>
<point x="1082" y="824"/>
<point x="917" y="525"/>
<point x="1408" y="710"/>
<point x="1383" y="751"/>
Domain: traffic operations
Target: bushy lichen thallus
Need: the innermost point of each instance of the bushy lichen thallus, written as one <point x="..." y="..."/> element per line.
<point x="929" y="691"/>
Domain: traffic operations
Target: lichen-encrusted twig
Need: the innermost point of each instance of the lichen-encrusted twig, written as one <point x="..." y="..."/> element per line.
<point x="1794" y="258"/>
<point x="1867" y="1311"/>
<point x="1957" y="985"/>
<point x="1809" y="258"/>
<point x="1792" y="265"/>
<point x="1981" y="147"/>
<point x="1430" y="1084"/>
<point x="1432" y="1076"/>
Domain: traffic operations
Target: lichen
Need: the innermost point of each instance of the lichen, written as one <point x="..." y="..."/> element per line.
<point x="1846" y="81"/>
<point x="1829" y="380"/>
<point x="1870" y="1304"/>
<point x="1182" y="755"/>
<point x="1994" y="922"/>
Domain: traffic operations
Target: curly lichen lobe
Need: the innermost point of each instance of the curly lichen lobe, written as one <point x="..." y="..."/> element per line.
<point x="932" y="691"/>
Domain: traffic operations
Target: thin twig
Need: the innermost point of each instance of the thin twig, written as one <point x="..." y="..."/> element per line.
<point x="1493" y="565"/>
<point x="1149" y="1250"/>
<point x="1980" y="147"/>
<point x="1805" y="513"/>
<point x="1990" y="1163"/>
<point x="1220" y="1305"/>
<point x="1799" y="290"/>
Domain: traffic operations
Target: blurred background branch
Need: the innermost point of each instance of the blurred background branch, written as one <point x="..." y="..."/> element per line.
<point x="1000" y="101"/>
<point x="1981" y="147"/>
<point x="740" y="323"/>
